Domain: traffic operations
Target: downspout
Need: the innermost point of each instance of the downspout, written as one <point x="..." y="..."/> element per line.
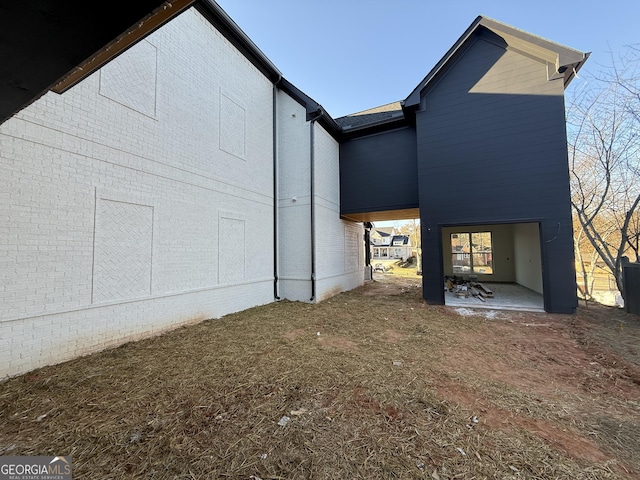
<point x="312" y="160"/>
<point x="367" y="243"/>
<point x="275" y="189"/>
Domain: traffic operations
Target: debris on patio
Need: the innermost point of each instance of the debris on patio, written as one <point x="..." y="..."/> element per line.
<point x="464" y="288"/>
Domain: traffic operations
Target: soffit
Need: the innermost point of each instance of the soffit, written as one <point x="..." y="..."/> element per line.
<point x="46" y="41"/>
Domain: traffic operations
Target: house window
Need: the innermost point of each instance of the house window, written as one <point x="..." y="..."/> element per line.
<point x="472" y="253"/>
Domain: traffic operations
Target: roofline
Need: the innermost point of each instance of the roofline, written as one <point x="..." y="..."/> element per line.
<point x="167" y="11"/>
<point x="414" y="97"/>
<point x="217" y="17"/>
<point x="567" y="57"/>
<point x="314" y="109"/>
<point x="570" y="62"/>
<point x="574" y="71"/>
<point x="232" y="32"/>
<point x="368" y="110"/>
<point x="568" y="53"/>
<point x="386" y="125"/>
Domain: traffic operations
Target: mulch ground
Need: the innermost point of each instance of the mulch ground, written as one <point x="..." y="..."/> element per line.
<point x="372" y="383"/>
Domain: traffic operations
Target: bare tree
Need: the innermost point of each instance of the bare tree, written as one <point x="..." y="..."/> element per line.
<point x="588" y="261"/>
<point x="586" y="271"/>
<point x="604" y="146"/>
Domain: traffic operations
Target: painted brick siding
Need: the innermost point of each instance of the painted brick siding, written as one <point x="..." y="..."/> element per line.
<point x="125" y="204"/>
<point x="294" y="205"/>
<point x="339" y="243"/>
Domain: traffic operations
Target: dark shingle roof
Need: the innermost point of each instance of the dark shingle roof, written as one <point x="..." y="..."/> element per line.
<point x="384" y="231"/>
<point x="373" y="115"/>
<point x="400" y="238"/>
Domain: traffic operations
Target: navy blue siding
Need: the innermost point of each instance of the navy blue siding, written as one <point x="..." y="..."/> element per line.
<point x="378" y="172"/>
<point x="491" y="148"/>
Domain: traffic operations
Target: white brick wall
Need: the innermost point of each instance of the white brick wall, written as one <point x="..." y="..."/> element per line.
<point x="294" y="220"/>
<point x="339" y="243"/>
<point x="142" y="199"/>
<point x="114" y="198"/>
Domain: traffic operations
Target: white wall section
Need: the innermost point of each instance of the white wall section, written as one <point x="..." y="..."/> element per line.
<point x="142" y="199"/>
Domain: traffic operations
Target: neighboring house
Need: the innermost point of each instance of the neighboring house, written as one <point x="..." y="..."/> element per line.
<point x="385" y="244"/>
<point x="382" y="235"/>
<point x="184" y="179"/>
<point x="380" y="239"/>
<point x="400" y="247"/>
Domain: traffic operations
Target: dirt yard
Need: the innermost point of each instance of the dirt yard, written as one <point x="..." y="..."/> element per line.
<point x="369" y="384"/>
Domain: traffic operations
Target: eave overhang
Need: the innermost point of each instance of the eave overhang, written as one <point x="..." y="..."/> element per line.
<point x="373" y="128"/>
<point x="232" y="32"/>
<point x="53" y="45"/>
<point x="562" y="62"/>
<point x="167" y="11"/>
<point x="314" y="111"/>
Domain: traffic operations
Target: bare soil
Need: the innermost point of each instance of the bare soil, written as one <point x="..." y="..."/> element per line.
<point x="374" y="383"/>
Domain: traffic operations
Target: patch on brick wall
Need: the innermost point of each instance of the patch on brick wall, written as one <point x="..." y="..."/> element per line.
<point x="232" y="127"/>
<point x="130" y="79"/>
<point x="231" y="253"/>
<point x="122" y="251"/>
<point x="351" y="248"/>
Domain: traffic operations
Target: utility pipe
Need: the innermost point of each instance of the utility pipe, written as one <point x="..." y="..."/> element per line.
<point x="312" y="158"/>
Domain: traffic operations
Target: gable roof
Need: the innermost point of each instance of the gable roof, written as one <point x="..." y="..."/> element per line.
<point x="563" y="62"/>
<point x="385" y="231"/>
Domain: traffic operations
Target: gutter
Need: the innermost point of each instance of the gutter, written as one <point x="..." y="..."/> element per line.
<point x="312" y="160"/>
<point x="573" y="73"/>
<point x="386" y="125"/>
<point x="312" y="108"/>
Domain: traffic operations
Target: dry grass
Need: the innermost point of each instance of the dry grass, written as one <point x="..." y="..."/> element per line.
<point x="376" y="385"/>
<point x="396" y="268"/>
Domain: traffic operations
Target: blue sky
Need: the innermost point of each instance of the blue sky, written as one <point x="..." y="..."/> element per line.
<point x="351" y="55"/>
